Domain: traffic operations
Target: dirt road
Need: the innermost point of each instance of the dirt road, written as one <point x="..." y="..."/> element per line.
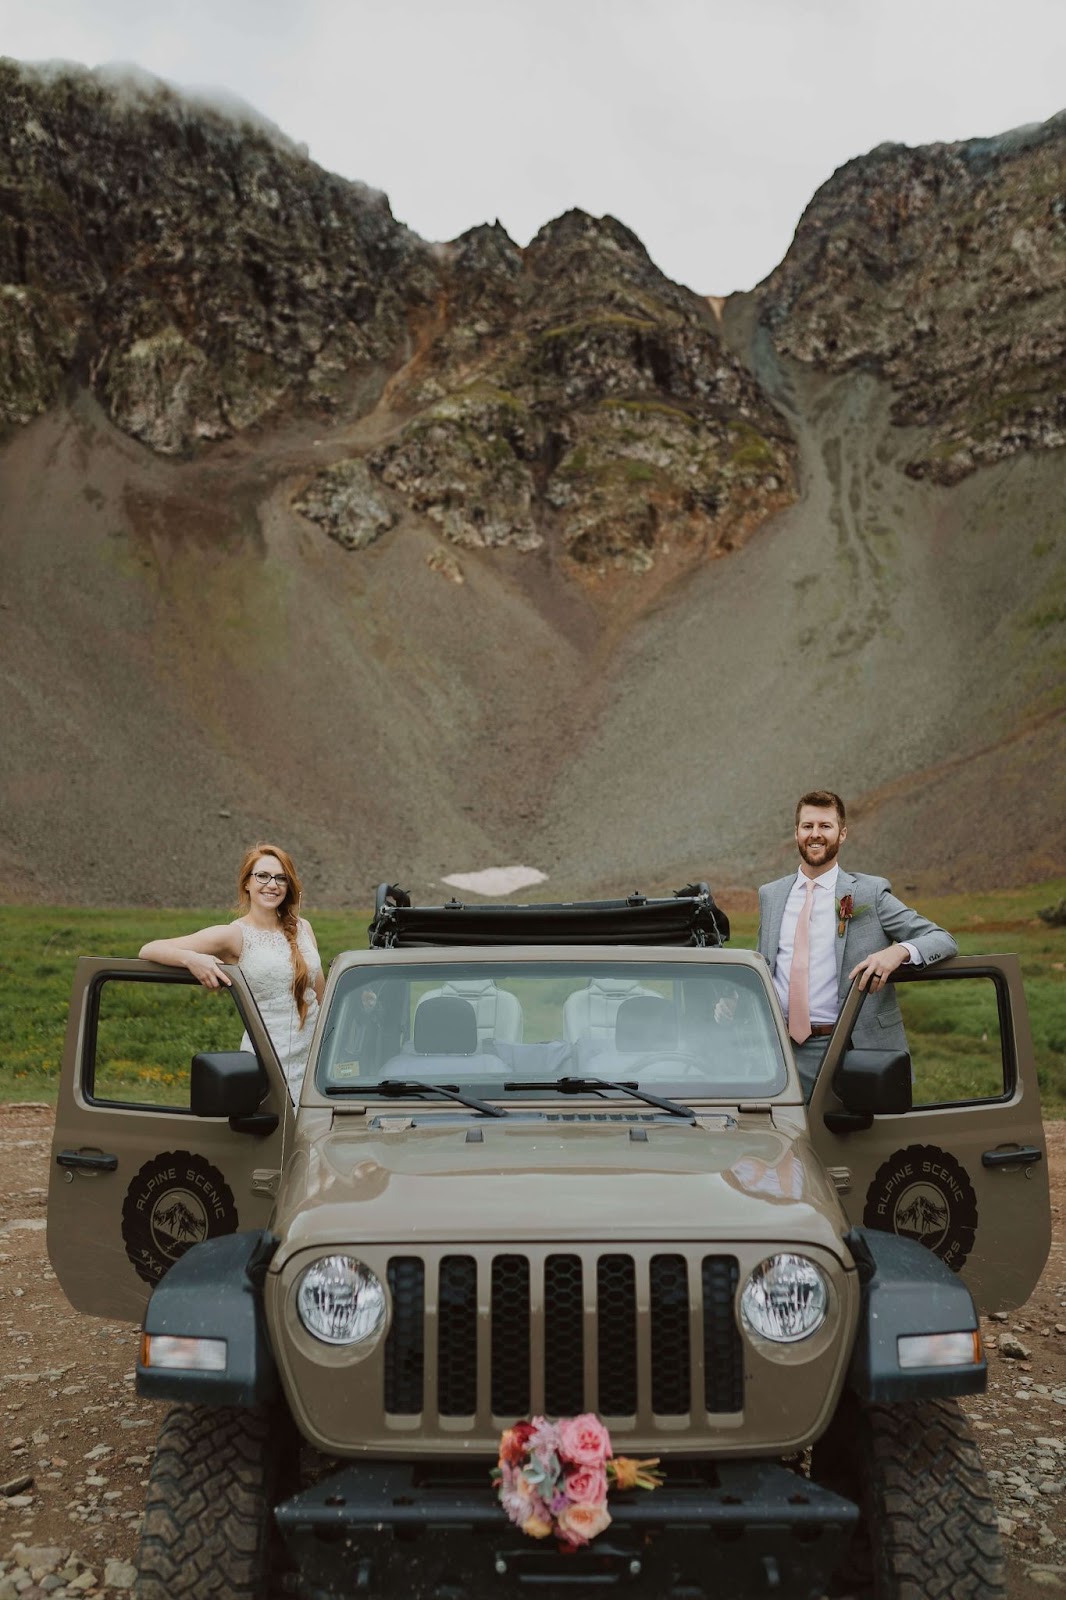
<point x="76" y="1442"/>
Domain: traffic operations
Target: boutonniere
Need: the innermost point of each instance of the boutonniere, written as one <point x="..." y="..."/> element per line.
<point x="846" y="909"/>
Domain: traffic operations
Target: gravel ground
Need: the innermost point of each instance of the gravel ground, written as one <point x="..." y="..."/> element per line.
<point x="76" y="1441"/>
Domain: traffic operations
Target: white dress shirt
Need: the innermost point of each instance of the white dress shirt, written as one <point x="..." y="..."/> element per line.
<point x="823" y="984"/>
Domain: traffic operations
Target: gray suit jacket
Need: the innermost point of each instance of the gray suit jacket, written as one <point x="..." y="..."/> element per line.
<point x="878" y="919"/>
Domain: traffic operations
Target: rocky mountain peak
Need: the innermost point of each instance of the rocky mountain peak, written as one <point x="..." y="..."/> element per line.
<point x="943" y="269"/>
<point x="487" y="249"/>
<point x="572" y="397"/>
<point x="565" y="395"/>
<point x="576" y="232"/>
<point x="192" y="265"/>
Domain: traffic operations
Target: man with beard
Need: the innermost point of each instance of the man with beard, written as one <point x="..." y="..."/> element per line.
<point x="822" y="927"/>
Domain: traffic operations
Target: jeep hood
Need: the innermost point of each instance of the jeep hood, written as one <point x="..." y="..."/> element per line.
<point x="517" y="1180"/>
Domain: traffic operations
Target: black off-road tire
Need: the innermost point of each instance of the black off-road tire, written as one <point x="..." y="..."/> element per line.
<point x="928" y="1529"/>
<point x="208" y="1529"/>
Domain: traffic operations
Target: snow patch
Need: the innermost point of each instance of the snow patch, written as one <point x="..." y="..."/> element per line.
<point x="496" y="880"/>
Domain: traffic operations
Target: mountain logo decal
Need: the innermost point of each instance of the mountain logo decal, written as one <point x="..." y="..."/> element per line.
<point x="923" y="1193"/>
<point x="176" y="1200"/>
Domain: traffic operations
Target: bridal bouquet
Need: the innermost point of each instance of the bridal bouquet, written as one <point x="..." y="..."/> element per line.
<point x="553" y="1477"/>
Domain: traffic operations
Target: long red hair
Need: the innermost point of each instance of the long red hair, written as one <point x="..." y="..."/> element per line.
<point x="288" y="913"/>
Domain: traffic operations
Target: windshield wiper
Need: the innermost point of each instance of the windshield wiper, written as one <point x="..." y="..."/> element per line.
<point x="400" y="1086"/>
<point x="594" y="1085"/>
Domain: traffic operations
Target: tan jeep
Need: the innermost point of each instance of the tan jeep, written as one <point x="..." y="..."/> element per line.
<point x="550" y="1160"/>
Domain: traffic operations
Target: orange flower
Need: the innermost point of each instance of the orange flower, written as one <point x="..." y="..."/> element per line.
<point x="537" y="1527"/>
<point x="578" y="1524"/>
<point x="513" y="1444"/>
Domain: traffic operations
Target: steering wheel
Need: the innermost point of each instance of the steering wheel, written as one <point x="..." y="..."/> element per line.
<point x="688" y="1066"/>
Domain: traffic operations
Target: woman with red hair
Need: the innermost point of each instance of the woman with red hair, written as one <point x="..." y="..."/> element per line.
<point x="274" y="948"/>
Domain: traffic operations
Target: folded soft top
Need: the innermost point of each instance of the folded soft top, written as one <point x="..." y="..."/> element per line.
<point x="688" y="917"/>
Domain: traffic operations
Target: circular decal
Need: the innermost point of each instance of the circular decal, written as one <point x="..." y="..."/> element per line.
<point x="177" y="1199"/>
<point x="923" y="1193"/>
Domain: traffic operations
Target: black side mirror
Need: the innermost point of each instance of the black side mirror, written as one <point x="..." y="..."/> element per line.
<point x="226" y="1083"/>
<point x="874" y="1082"/>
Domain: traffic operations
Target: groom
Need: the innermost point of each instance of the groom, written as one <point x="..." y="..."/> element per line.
<point x="822" y="927"/>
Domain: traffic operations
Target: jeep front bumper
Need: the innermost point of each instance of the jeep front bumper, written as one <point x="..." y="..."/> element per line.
<point x="737" y="1528"/>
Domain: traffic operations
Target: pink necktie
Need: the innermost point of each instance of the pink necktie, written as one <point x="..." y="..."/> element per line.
<point x="799" y="1004"/>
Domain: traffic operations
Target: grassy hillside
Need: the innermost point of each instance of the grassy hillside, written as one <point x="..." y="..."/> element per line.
<point x="38" y="946"/>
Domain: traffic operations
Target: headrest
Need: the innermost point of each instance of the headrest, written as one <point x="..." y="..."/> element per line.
<point x="613" y="986"/>
<point x="645" y="1023"/>
<point x="445" y="1027"/>
<point x="476" y="986"/>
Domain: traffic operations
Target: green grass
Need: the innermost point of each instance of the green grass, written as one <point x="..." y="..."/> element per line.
<point x="148" y="1033"/>
<point x="951" y="1028"/>
<point x="150" y="1050"/>
<point x="38" y="948"/>
<point x="650" y="408"/>
<point x="606" y="319"/>
<point x="751" y="452"/>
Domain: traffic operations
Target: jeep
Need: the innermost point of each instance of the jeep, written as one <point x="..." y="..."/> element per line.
<point x="550" y="1160"/>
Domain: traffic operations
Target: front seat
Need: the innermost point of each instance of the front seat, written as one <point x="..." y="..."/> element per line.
<point x="645" y="1024"/>
<point x="497" y="1012"/>
<point x="590" y="1013"/>
<point x="445" y="1026"/>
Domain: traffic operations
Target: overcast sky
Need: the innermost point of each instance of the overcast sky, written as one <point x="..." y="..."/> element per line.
<point x="705" y="125"/>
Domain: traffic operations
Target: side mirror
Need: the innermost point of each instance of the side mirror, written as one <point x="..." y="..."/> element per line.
<point x="874" y="1082"/>
<point x="226" y="1083"/>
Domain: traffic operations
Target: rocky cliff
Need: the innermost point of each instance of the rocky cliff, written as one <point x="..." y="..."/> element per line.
<point x="189" y="264"/>
<point x="576" y="396"/>
<point x="201" y="275"/>
<point x="943" y="270"/>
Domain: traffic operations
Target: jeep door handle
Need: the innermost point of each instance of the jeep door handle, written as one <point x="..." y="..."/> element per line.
<point x="74" y="1158"/>
<point x="1025" y="1156"/>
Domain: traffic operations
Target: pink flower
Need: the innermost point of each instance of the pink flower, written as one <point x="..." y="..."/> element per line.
<point x="543" y="1440"/>
<point x="587" y="1485"/>
<point x="579" y="1523"/>
<point x="516" y="1508"/>
<point x="584" y="1441"/>
<point x="519" y="1499"/>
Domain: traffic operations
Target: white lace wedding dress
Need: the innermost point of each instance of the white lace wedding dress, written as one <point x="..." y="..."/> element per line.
<point x="267" y="965"/>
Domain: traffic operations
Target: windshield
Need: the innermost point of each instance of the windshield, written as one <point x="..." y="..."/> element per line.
<point x="671" y="1028"/>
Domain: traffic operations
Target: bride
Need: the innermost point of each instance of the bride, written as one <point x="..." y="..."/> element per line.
<point x="275" y="949"/>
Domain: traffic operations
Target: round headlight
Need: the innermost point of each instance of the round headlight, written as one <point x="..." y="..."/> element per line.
<point x="340" y="1301"/>
<point x="785" y="1299"/>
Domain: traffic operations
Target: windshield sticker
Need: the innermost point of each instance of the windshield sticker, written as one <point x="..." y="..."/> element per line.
<point x="176" y="1200"/>
<point x="923" y="1193"/>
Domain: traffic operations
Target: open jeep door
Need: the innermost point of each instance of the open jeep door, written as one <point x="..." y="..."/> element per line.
<point x="136" y="1178"/>
<point x="965" y="1170"/>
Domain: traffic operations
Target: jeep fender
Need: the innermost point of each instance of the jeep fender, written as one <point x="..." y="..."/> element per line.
<point x="907" y="1290"/>
<point x="214" y="1291"/>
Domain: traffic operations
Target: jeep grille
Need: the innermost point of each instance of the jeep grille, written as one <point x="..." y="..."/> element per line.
<point x="561" y="1333"/>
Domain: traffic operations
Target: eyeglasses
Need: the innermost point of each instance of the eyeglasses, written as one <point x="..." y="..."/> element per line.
<point x="263" y="878"/>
